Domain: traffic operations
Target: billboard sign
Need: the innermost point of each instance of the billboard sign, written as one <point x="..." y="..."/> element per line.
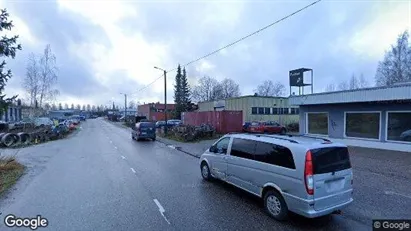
<point x="297" y="77"/>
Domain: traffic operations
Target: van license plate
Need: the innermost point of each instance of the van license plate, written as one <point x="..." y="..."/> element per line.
<point x="144" y="133"/>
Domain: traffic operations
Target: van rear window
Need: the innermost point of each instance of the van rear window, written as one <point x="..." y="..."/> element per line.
<point x="332" y="159"/>
<point x="147" y="125"/>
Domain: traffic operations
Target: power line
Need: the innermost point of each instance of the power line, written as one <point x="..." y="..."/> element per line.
<point x="238" y="40"/>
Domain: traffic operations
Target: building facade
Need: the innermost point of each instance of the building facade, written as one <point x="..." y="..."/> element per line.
<point x="375" y="114"/>
<point x="155" y="111"/>
<point x="256" y="108"/>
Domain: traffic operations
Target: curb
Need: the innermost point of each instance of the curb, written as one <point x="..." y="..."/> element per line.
<point x="178" y="149"/>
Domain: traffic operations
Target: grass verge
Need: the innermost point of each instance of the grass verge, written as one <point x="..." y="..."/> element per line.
<point x="10" y="172"/>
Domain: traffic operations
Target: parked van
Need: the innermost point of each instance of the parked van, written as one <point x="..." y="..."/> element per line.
<point x="144" y="130"/>
<point x="310" y="176"/>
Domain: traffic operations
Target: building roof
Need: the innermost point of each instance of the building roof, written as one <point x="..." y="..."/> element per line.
<point x="372" y="94"/>
<point x="248" y="96"/>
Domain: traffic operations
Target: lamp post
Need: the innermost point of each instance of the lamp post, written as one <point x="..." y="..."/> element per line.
<point x="165" y="98"/>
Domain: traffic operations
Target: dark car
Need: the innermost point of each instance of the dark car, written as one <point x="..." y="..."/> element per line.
<point x="144" y="130"/>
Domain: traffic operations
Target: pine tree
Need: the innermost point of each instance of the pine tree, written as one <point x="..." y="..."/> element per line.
<point x="185" y="92"/>
<point x="8" y="48"/>
<point x="178" y="93"/>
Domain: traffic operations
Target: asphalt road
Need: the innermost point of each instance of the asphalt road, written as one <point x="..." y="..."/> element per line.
<point x="100" y="179"/>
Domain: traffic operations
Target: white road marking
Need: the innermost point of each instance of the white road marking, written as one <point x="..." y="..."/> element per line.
<point x="111" y="141"/>
<point x="132" y="169"/>
<point x="171" y="146"/>
<point x="115" y="147"/>
<point x="123" y="157"/>
<point x="398" y="194"/>
<point x="161" y="209"/>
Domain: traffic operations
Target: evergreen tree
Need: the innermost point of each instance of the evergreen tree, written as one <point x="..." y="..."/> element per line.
<point x="8" y="48"/>
<point x="178" y="93"/>
<point x="185" y="92"/>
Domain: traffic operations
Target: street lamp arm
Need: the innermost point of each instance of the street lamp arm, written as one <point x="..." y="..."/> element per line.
<point x="159" y="69"/>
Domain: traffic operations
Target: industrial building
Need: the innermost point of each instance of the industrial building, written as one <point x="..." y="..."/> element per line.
<point x="380" y="114"/>
<point x="155" y="111"/>
<point x="256" y="108"/>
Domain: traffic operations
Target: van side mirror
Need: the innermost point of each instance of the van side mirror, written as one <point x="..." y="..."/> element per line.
<point x="213" y="149"/>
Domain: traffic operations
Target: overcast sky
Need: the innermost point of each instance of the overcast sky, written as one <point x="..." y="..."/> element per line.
<point x="108" y="47"/>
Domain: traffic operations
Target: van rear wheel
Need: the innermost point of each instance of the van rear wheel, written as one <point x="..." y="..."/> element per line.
<point x="275" y="205"/>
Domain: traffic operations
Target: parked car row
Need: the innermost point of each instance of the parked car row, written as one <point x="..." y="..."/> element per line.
<point x="170" y="123"/>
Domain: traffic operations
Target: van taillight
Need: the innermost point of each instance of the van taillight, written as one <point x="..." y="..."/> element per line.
<point x="308" y="174"/>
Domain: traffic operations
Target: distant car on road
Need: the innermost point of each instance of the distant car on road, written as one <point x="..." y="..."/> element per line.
<point x="310" y="176"/>
<point x="144" y="130"/>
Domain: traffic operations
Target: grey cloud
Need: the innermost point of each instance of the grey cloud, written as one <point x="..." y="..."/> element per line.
<point x="304" y="40"/>
<point x="58" y="29"/>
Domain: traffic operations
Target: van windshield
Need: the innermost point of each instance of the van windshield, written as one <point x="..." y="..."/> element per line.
<point x="331" y="159"/>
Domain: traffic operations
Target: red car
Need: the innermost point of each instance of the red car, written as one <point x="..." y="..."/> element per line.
<point x="266" y="127"/>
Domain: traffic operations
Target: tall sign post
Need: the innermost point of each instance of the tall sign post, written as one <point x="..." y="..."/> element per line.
<point x="297" y="80"/>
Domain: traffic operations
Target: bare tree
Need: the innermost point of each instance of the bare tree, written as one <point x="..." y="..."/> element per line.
<point x="330" y="87"/>
<point x="78" y="107"/>
<point x="60" y="106"/>
<point x="354" y="83"/>
<point x="268" y="88"/>
<point x="230" y="88"/>
<point x="396" y="65"/>
<point x="31" y="82"/>
<point x="207" y="89"/>
<point x="66" y="106"/>
<point x="363" y="83"/>
<point x="72" y="106"/>
<point x="343" y="86"/>
<point x="48" y="76"/>
<point x="47" y="106"/>
<point x="83" y="108"/>
<point x="88" y="107"/>
<point x="53" y="107"/>
<point x="131" y="104"/>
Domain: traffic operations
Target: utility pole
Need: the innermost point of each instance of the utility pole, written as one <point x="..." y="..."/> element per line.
<point x="125" y="106"/>
<point x="165" y="98"/>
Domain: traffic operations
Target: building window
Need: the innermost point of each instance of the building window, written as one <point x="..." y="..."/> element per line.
<point x="261" y="110"/>
<point x="362" y="125"/>
<point x="11" y="112"/>
<point x="317" y="123"/>
<point x="399" y="126"/>
<point x="294" y="111"/>
<point x="275" y="111"/>
<point x="267" y="111"/>
<point x="254" y="110"/>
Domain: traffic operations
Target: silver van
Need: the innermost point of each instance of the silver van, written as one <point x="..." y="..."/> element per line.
<point x="307" y="175"/>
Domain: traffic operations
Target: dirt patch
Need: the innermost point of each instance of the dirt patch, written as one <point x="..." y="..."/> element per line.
<point x="10" y="172"/>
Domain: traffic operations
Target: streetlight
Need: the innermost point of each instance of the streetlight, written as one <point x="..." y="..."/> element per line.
<point x="165" y="98"/>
